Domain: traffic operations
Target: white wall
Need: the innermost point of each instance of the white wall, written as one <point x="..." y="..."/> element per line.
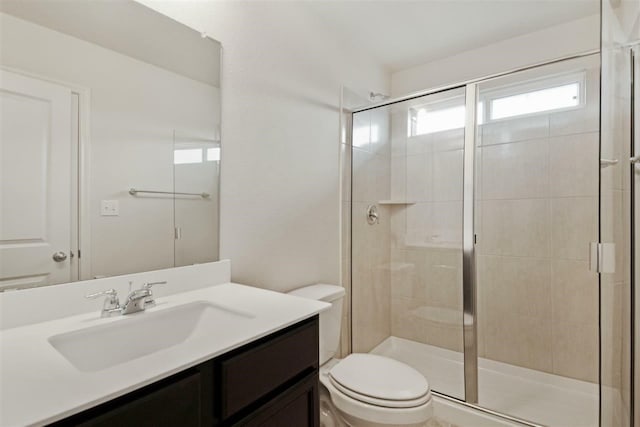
<point x="554" y="42"/>
<point x="134" y="109"/>
<point x="281" y="77"/>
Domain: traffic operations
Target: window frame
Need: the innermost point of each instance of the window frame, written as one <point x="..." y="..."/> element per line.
<point x="535" y="85"/>
<point x="443" y="104"/>
<point x="513" y="89"/>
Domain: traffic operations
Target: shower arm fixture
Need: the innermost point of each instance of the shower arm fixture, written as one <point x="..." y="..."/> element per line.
<point x="377" y="96"/>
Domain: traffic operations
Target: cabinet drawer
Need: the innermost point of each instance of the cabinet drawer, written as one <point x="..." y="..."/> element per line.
<point x="296" y="407"/>
<point x="251" y="374"/>
<point x="173" y="402"/>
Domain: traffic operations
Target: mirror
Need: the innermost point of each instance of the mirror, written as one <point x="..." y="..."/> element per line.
<point x="110" y="143"/>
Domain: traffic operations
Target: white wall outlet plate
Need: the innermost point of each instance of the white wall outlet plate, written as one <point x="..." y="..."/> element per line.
<point x="109" y="208"/>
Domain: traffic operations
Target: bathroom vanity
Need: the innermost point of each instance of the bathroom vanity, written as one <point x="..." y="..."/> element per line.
<point x="270" y="382"/>
<point x="210" y="352"/>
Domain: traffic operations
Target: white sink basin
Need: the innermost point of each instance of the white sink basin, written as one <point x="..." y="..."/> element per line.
<point x="140" y="334"/>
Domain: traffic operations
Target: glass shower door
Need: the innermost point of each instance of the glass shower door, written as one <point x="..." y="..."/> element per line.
<point x="537" y="151"/>
<point x="407" y="222"/>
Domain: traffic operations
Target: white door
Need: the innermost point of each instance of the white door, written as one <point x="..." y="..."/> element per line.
<point x="35" y="182"/>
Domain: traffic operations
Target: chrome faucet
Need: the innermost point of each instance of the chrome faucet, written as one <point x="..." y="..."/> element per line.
<point x="137" y="300"/>
<point x="111" y="305"/>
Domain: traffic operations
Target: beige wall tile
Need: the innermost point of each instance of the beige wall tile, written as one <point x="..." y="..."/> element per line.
<point x="611" y="303"/>
<point x="518" y="286"/>
<point x="434" y="223"/>
<point x="415" y="286"/>
<point x="519" y="340"/>
<point x="371" y="278"/>
<point x="361" y="130"/>
<point x="574" y="165"/>
<point x="575" y="350"/>
<point x="399" y="178"/>
<point x="515" y="227"/>
<point x="574" y="225"/>
<point x="403" y="324"/>
<point x="399" y="131"/>
<point x="516" y="320"/>
<point x="427" y="324"/>
<point x="398" y="226"/>
<point x="418" y="144"/>
<point x="575" y="292"/>
<point x="380" y="134"/>
<point x="403" y="276"/>
<point x="581" y="120"/>
<point x="363" y="181"/>
<point x="447" y="175"/>
<point x="381" y="172"/>
<point x="516" y="171"/>
<point x="371" y="309"/>
<point x="419" y="173"/>
<point x="447" y="140"/>
<point x="512" y="130"/>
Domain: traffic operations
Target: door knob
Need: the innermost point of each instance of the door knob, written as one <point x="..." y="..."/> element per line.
<point x="59" y="256"/>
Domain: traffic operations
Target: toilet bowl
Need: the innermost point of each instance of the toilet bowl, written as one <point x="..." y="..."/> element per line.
<point x="364" y="390"/>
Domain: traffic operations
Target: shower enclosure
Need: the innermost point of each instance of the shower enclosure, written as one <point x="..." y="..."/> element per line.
<point x="477" y="217"/>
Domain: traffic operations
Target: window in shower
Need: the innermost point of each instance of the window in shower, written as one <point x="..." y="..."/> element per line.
<point x="439" y="117"/>
<point x="536" y="97"/>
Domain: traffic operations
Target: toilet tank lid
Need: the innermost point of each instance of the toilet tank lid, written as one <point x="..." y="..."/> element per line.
<point x="319" y="292"/>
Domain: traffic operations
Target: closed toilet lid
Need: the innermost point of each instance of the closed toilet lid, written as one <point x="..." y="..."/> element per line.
<point x="379" y="380"/>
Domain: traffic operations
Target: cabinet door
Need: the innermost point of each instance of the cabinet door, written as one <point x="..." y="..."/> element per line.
<point x="251" y="374"/>
<point x="173" y="402"/>
<point x="296" y="407"/>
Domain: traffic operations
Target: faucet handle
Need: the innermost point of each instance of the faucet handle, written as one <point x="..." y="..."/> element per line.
<point x="111" y="304"/>
<point x="150" y="284"/>
<point x="149" y="301"/>
<point x="112" y="293"/>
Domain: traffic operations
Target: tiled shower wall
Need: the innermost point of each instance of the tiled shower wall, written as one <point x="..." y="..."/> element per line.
<point x="537" y="190"/>
<point x="426" y="233"/>
<point x="371" y="163"/>
<point x="538" y="212"/>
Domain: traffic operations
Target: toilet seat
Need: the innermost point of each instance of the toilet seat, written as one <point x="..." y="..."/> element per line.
<point x="357" y="412"/>
<point x="380" y="381"/>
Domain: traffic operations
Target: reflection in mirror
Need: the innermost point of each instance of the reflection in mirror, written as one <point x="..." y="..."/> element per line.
<point x="196" y="171"/>
<point x="98" y="98"/>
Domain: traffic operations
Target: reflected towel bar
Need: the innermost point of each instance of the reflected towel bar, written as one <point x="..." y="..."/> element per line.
<point x="134" y="192"/>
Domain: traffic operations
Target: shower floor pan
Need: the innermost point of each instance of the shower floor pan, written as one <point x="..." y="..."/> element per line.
<point x="531" y="395"/>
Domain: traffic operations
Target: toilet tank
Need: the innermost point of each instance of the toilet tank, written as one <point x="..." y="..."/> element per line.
<point x="330" y="320"/>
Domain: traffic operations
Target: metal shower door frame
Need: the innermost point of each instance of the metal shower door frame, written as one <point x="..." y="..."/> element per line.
<point x="469" y="288"/>
<point x="469" y="285"/>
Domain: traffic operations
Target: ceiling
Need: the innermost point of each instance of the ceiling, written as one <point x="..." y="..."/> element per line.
<point x="129" y="28"/>
<point x="401" y="34"/>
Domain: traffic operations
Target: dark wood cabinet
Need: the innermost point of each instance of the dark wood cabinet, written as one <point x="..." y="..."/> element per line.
<point x="270" y="382"/>
<point x="296" y="407"/>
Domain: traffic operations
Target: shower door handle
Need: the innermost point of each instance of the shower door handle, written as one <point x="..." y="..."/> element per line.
<point x="602" y="257"/>
<point x="635" y="159"/>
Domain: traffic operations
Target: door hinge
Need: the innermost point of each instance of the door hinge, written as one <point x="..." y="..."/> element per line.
<point x="602" y="257"/>
<point x="177" y="233"/>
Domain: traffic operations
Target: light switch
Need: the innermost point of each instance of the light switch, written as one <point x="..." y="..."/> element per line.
<point x="109" y="208"/>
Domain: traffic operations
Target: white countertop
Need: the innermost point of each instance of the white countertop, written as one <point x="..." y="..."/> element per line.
<point x="39" y="386"/>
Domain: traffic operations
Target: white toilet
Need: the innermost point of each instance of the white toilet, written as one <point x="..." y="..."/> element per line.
<point x="364" y="390"/>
